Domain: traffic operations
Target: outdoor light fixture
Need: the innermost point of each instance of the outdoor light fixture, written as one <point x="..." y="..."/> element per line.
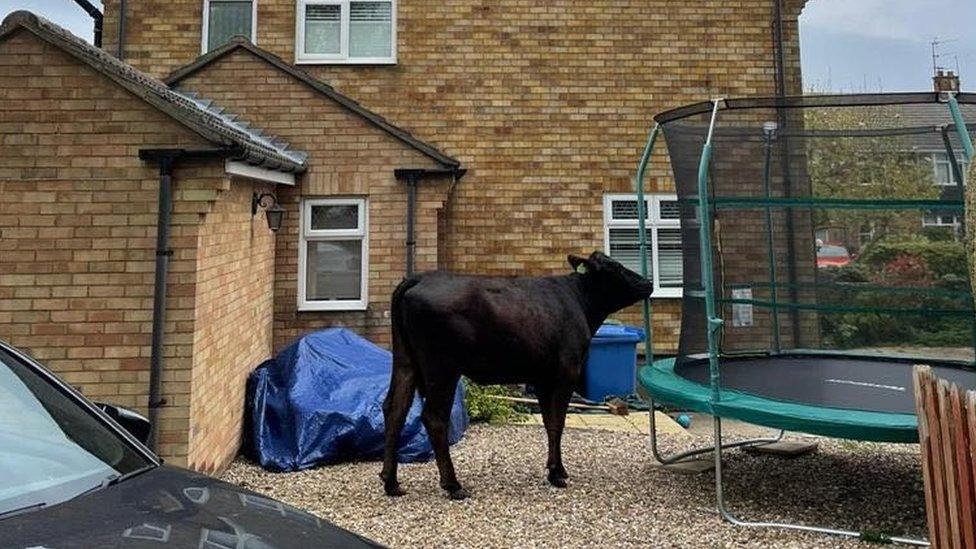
<point x="273" y="210"/>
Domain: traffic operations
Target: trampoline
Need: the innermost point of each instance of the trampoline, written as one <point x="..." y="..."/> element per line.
<point x="854" y="397"/>
<point x="770" y="334"/>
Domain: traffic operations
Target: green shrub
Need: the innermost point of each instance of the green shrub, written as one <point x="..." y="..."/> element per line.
<point x="893" y="276"/>
<point x="942" y="257"/>
<point x="482" y="408"/>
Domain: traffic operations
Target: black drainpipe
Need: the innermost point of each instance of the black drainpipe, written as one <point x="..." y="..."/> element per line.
<point x="785" y="165"/>
<point x="412" y="179"/>
<point x="166" y="159"/>
<point x="97" y="18"/>
<point x="412" y="176"/>
<point x="121" y="47"/>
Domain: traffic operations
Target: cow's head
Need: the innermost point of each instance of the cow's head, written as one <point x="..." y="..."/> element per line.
<point x="611" y="281"/>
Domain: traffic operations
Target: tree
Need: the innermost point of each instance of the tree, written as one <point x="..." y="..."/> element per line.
<point x="845" y="162"/>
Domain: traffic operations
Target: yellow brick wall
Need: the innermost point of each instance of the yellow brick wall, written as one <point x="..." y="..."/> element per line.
<point x="348" y="157"/>
<point x="77" y="233"/>
<point x="232" y="321"/>
<point x="547" y="104"/>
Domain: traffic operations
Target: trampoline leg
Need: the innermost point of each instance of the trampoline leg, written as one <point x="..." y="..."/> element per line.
<point x="729" y="517"/>
<point x="688" y="455"/>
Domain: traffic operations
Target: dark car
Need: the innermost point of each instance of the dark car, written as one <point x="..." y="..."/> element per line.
<point x="72" y="476"/>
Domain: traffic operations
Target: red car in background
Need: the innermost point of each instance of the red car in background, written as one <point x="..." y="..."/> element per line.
<point x="832" y="255"/>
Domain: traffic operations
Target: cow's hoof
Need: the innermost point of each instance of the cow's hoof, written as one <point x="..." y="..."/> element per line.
<point x="394" y="490"/>
<point x="458" y="494"/>
<point x="557" y="481"/>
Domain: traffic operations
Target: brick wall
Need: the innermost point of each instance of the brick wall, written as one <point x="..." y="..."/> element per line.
<point x="348" y="157"/>
<point x="232" y="320"/>
<point x="77" y="235"/>
<point x="547" y="105"/>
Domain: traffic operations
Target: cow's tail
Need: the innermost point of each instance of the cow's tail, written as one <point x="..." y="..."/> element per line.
<point x="401" y="347"/>
<point x="403" y="383"/>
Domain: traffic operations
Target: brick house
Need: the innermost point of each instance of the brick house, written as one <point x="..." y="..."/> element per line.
<point x="509" y="130"/>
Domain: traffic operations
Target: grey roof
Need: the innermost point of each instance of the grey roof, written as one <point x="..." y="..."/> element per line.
<point x="201" y="116"/>
<point x="345" y="101"/>
<point x="933" y="115"/>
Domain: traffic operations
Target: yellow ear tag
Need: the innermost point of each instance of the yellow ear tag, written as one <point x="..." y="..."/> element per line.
<point x="581" y="268"/>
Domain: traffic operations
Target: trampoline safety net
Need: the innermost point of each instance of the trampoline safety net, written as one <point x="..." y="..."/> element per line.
<point x="837" y="224"/>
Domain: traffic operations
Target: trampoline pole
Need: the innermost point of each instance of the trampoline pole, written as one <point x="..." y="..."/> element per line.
<point x="957" y="175"/>
<point x="713" y="323"/>
<point x="642" y="238"/>
<point x="961" y="129"/>
<point x="968" y="153"/>
<point x="729" y="517"/>
<point x="769" y="132"/>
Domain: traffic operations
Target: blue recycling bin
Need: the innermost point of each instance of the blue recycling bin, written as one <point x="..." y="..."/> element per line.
<point x="611" y="367"/>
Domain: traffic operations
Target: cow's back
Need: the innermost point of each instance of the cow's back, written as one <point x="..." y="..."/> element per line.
<point x="494" y="329"/>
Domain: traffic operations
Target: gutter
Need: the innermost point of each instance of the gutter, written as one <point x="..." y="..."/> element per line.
<point x="97" y="18"/>
<point x="120" y="53"/>
<point x="780" y="62"/>
<point x="166" y="159"/>
<point x="413" y="176"/>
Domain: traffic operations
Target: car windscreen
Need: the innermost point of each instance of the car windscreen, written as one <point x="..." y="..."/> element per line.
<point x="832" y="251"/>
<point x="51" y="448"/>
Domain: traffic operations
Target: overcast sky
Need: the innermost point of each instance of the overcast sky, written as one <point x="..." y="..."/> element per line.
<point x="846" y="45"/>
<point x="867" y="45"/>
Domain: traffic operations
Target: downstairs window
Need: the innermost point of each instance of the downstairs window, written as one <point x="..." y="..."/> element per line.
<point x="622" y="243"/>
<point x="333" y="255"/>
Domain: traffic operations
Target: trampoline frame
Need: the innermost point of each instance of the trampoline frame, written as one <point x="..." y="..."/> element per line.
<point x="714" y="323"/>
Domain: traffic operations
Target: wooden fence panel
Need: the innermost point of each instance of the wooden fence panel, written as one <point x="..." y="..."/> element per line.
<point x="947" y="435"/>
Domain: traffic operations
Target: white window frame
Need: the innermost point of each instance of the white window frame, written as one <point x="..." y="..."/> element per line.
<point x="942" y="157"/>
<point x="341" y="58"/>
<point x="205" y="35"/>
<point x="653" y="222"/>
<point x="938" y="221"/>
<point x="306" y="235"/>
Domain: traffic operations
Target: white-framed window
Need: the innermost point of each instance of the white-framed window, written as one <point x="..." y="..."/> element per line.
<point x="225" y="19"/>
<point x="932" y="219"/>
<point x="622" y="243"/>
<point x="345" y="31"/>
<point x="944" y="175"/>
<point x="333" y="254"/>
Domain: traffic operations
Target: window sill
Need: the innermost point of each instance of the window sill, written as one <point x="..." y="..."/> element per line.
<point x="332" y="306"/>
<point x="670" y="293"/>
<point x="367" y="62"/>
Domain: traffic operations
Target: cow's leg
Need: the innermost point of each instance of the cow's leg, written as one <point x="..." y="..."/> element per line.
<point x="395" y="408"/>
<point x="436" y="417"/>
<point x="553" y="402"/>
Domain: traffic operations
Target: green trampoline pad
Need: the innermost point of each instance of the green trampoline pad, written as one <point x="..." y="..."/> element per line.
<point x="792" y="392"/>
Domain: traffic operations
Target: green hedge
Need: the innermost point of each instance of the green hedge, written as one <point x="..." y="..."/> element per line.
<point x="942" y="257"/>
<point x="902" y="274"/>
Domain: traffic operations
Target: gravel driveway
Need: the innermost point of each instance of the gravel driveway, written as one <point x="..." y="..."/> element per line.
<point x="616" y="496"/>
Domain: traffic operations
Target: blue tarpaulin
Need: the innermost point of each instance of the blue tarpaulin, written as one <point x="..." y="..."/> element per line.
<point x="321" y="401"/>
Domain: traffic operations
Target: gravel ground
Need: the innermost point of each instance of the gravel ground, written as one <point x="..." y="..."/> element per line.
<point x="616" y="496"/>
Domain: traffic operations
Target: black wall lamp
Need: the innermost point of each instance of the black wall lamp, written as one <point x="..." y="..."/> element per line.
<point x="273" y="210"/>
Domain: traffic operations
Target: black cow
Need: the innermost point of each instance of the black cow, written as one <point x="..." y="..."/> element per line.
<point x="496" y="330"/>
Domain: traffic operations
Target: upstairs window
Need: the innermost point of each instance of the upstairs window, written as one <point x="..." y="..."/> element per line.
<point x="622" y="242"/>
<point x="944" y="174"/>
<point x="225" y="19"/>
<point x="333" y="256"/>
<point x="346" y="31"/>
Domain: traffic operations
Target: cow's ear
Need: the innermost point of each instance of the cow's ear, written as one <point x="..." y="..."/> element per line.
<point x="579" y="264"/>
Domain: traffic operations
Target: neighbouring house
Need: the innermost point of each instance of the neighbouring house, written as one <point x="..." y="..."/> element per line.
<point x="930" y="147"/>
<point x="396" y="135"/>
